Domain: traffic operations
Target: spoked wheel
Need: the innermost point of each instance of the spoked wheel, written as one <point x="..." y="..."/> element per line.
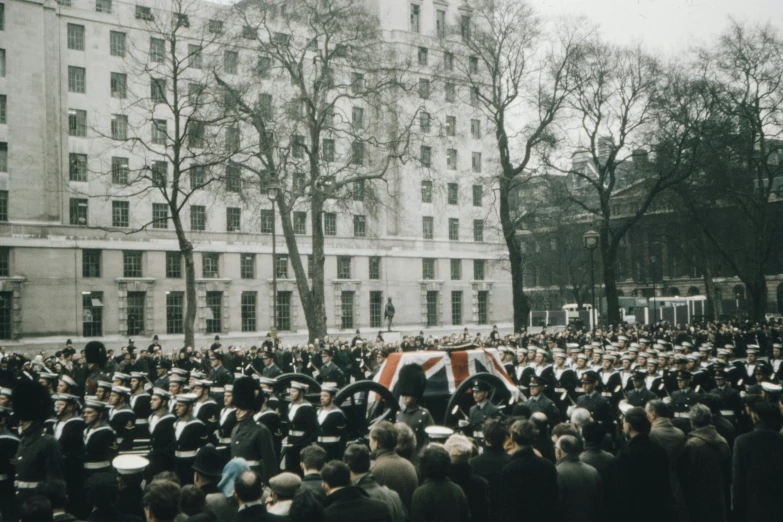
<point x="459" y="404"/>
<point x="365" y="403"/>
<point x="284" y="383"/>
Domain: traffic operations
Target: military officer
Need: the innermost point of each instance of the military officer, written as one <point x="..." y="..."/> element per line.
<point x="162" y="437"/>
<point x="685" y="396"/>
<point x="302" y="426"/>
<point x="332" y="423"/>
<point x="330" y="372"/>
<point x="140" y="404"/>
<point x="250" y="440"/>
<point x="539" y="402"/>
<point x="228" y="419"/>
<point x="271" y="369"/>
<point x="411" y="384"/>
<point x="162" y="377"/>
<point x="100" y="440"/>
<point x="219" y="375"/>
<point x="205" y="409"/>
<point x="482" y="410"/>
<point x="639" y="395"/>
<point x="731" y="405"/>
<point x="191" y="434"/>
<point x="594" y="402"/>
<point x="122" y="418"/>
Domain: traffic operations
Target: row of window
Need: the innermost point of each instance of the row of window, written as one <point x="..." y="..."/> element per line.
<point x="450" y="91"/>
<point x="425" y="158"/>
<point x="210" y="261"/>
<point x="452" y="193"/>
<point x="428" y="232"/>
<point x="440" y="25"/>
<point x="450" y="127"/>
<point x="423" y="58"/>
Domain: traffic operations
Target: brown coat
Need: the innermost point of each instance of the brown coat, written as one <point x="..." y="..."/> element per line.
<point x="396" y="473"/>
<point x="706" y="475"/>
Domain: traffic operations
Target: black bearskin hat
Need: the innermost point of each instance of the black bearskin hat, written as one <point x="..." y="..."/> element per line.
<point x="95" y="353"/>
<point x="31" y="400"/>
<point x="246" y="393"/>
<point x="412" y="381"/>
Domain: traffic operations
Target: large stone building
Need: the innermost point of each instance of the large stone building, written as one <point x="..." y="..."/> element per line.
<point x="76" y="259"/>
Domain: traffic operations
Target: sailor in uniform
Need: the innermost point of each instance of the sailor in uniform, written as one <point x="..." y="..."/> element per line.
<point x="269" y="417"/>
<point x="228" y="419"/>
<point x="205" y="409"/>
<point x="102" y="391"/>
<point x="122" y="418"/>
<point x="522" y="371"/>
<point x="176" y="387"/>
<point x="653" y="380"/>
<point x="482" y="410"/>
<point x="66" y="384"/>
<point x="250" y="440"/>
<point x="564" y="382"/>
<point x="69" y="432"/>
<point x="191" y="434"/>
<point x="140" y="404"/>
<point x="161" y="428"/>
<point x="302" y="426"/>
<point x="332" y="423"/>
<point x="100" y="440"/>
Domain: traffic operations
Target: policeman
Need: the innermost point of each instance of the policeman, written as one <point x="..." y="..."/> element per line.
<point x="538" y="402"/>
<point x="271" y="370"/>
<point x="100" y="440"/>
<point x="684" y="397"/>
<point x="9" y="445"/>
<point x="594" y="402"/>
<point x="140" y="404"/>
<point x="269" y="417"/>
<point x="329" y="371"/>
<point x="122" y="419"/>
<point x="205" y="409"/>
<point x="228" y="419"/>
<point x="639" y="395"/>
<point x="303" y="426"/>
<point x="219" y="375"/>
<point x="191" y="434"/>
<point x="332" y="423"/>
<point x="162" y="437"/>
<point x="482" y="410"/>
<point x="411" y="385"/>
<point x="250" y="440"/>
<point x="69" y="432"/>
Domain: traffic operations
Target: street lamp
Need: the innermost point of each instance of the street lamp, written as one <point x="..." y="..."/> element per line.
<point x="272" y="188"/>
<point x="591" y="242"/>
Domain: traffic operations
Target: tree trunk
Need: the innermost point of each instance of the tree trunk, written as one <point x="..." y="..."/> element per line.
<point x="316" y="315"/>
<point x="608" y="260"/>
<point x="186" y="247"/>
<point x="711" y="310"/>
<point x="519" y="300"/>
<point x="758" y="295"/>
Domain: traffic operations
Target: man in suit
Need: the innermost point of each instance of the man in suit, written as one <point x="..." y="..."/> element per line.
<point x="248" y="488"/>
<point x="482" y="410"/>
<point x="347" y="503"/>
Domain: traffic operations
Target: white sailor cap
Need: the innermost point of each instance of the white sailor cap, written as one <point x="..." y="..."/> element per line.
<point x="129" y="464"/>
<point x="439" y="432"/>
<point x="186" y="398"/>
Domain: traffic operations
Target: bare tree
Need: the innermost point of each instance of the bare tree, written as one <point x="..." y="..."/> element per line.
<point x="326" y="109"/>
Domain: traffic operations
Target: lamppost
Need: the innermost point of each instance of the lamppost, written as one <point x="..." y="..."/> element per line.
<point x="272" y="187"/>
<point x="591" y="242"/>
<point x="655" y="302"/>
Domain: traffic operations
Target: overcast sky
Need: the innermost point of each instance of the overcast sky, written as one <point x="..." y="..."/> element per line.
<point x="667" y="25"/>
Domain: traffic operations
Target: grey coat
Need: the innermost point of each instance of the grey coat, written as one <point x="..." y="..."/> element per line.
<point x="389" y="497"/>
<point x="706" y="475"/>
<point x="580" y="490"/>
<point x="673" y="441"/>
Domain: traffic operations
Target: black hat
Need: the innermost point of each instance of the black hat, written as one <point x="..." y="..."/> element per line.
<point x="537" y="380"/>
<point x="684" y="375"/>
<point x="481" y="386"/>
<point x="155" y="337"/>
<point x="590" y="377"/>
<point x="328" y="351"/>
<point x="165" y="364"/>
<point x="762" y="369"/>
<point x="217" y="337"/>
<point x="31" y="400"/>
<point x="639" y="374"/>
<point x="720" y="373"/>
<point x="95" y="353"/>
<point x="68" y="341"/>
<point x="412" y="380"/>
<point x="208" y="461"/>
<point x="245" y="393"/>
<point x="69" y="351"/>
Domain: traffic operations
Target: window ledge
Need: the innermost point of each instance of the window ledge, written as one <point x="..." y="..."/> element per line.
<point x="135" y="280"/>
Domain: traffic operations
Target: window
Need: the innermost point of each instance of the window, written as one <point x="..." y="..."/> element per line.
<point x="300" y="182"/>
<point x="119" y="170"/>
<point x="346" y="309"/>
<point x="159" y="132"/>
<point x="103" y="6"/>
<point x="432" y="308"/>
<point x="478" y="230"/>
<point x="464" y="28"/>
<point x="427" y="227"/>
<point x="198" y="217"/>
<point x="424" y="121"/>
<point x="359" y="226"/>
<point x="357" y="152"/>
<point x="282" y="39"/>
<point x="157" y="50"/>
<point x="158" y="90"/>
<point x="475" y="129"/>
<point x="230" y="61"/>
<point x="181" y="20"/>
<point x="92" y="314"/>
<point x="451" y="159"/>
<point x="233" y="219"/>
<point x="267" y="221"/>
<point x="131" y="263"/>
<point x="78" y="212"/>
<point x="247" y="266"/>
<point x="3" y="157"/>
<point x="175" y="306"/>
<point x="233" y="179"/>
<point x="91" y="263"/>
<point x="376" y="309"/>
<point x="76" y="79"/>
<point x="196" y="131"/>
<point x="265" y="105"/>
<point x="77" y="166"/>
<point x="119" y="127"/>
<point x="281" y="266"/>
<point x="232" y="139"/>
<point x="456" y="269"/>
<point x="357" y="82"/>
<point x="174" y="265"/>
<point x="357" y="118"/>
<point x="483" y="307"/>
<point x="456" y="307"/>
<point x="4" y="206"/>
<point x="453" y="193"/>
<point x="136" y="312"/>
<point x="263" y="67"/>
<point x="194" y="56"/>
<point x="478" y="195"/>
<point x="283" y="311"/>
<point x="478" y="269"/>
<point x="3" y="108"/>
<point x="426" y="191"/>
<point x="424" y="88"/>
<point x="215" y="26"/>
<point x="117" y="43"/>
<point x="209" y="264"/>
<point x="159" y="173"/>
<point x="160" y="215"/>
<point x="451" y="92"/>
<point x="357" y="191"/>
<point x="474" y="96"/>
<point x="297" y="146"/>
<point x="197" y="178"/>
<point x="77" y="122"/>
<point x="425" y="156"/>
<point x="375" y="267"/>
<point x="453" y="229"/>
<point x="144" y="13"/>
<point x="76" y="37"/>
<point x="248" y="32"/>
<point x="473" y="64"/>
<point x="214" y="312"/>
<point x="120" y="214"/>
<point x="343" y="267"/>
<point x="423" y="56"/>
<point x="330" y="224"/>
<point x="475" y="162"/>
<point x="328" y="150"/>
<point x="300" y="223"/>
<point x="440" y="23"/>
<point x="118" y="85"/>
<point x="451" y="125"/>
<point x="415" y="18"/>
<point x="248" y="305"/>
<point x="2" y="63"/>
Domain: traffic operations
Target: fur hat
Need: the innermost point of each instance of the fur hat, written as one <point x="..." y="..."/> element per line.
<point x="245" y="393"/>
<point x="95" y="353"/>
<point x="412" y="381"/>
<point x="31" y="400"/>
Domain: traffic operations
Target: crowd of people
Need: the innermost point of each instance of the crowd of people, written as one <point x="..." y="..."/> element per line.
<point x="662" y="422"/>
